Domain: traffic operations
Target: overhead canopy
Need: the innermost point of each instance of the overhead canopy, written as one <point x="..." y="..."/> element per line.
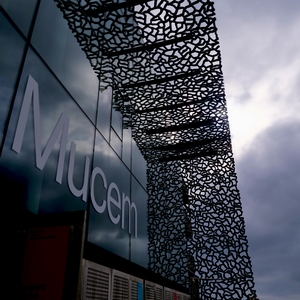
<point x="163" y="61"/>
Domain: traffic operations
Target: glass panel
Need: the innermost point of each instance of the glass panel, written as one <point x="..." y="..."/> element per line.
<point x="20" y="11"/>
<point x="104" y="110"/>
<point x="126" y="151"/>
<point x="116" y="122"/>
<point x="111" y="180"/>
<point x="115" y="142"/>
<point x="11" y="51"/>
<point x="56" y="44"/>
<point x="139" y="243"/>
<point x="139" y="166"/>
<point x="41" y="162"/>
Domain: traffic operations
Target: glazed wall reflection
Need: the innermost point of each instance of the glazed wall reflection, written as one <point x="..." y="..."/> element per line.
<point x="65" y="83"/>
<point x="139" y="245"/>
<point x="55" y="42"/>
<point x="21" y="12"/>
<point x="44" y="194"/>
<point x="102" y="231"/>
<point x="11" y="51"/>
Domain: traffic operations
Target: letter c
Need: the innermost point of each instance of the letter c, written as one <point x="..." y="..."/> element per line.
<point x="99" y="208"/>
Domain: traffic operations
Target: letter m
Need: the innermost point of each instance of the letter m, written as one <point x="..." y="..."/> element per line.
<point x="32" y="96"/>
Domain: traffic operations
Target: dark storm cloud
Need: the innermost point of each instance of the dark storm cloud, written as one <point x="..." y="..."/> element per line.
<point x="260" y="50"/>
<point x="269" y="180"/>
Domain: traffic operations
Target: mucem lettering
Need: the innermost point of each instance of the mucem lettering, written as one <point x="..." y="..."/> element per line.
<point x="113" y="202"/>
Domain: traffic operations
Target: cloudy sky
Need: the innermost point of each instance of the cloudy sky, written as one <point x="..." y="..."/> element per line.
<point x="260" y="46"/>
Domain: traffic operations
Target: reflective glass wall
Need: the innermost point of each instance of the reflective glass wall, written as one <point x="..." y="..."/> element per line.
<point x="63" y="147"/>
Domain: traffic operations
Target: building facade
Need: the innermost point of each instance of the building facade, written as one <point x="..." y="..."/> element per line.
<point x="116" y="164"/>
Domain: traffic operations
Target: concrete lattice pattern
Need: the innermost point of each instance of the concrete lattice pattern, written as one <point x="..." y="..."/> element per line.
<point x="162" y="60"/>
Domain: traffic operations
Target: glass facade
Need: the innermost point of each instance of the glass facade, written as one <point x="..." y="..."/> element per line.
<point x="63" y="147"/>
<point x="73" y="78"/>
